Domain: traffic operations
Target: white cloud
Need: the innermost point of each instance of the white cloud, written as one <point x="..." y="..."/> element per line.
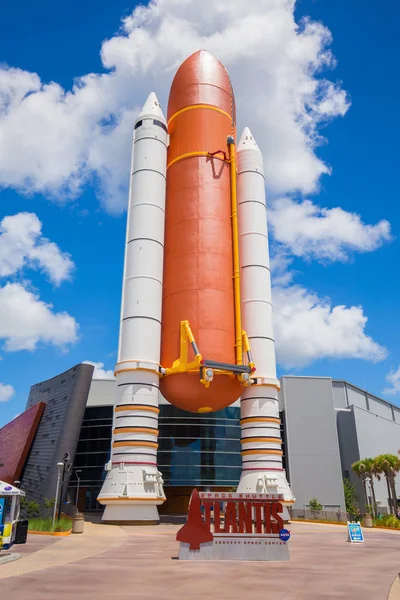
<point x="309" y="328"/>
<point x="22" y="244"/>
<point x="393" y="377"/>
<point x="52" y="140"/>
<point x="27" y="321"/>
<point x="6" y="392"/>
<point x="308" y="231"/>
<point x="99" y="371"/>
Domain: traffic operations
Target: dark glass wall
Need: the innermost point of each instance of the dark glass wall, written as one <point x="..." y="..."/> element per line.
<point x="92" y="453"/>
<point x="202" y="450"/>
<point x="199" y="449"/>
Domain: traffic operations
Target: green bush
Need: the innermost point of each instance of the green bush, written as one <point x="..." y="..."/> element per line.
<point x="40" y="524"/>
<point x="32" y="509"/>
<point x="314" y="505"/>
<point x="350" y="496"/>
<point x="388" y="521"/>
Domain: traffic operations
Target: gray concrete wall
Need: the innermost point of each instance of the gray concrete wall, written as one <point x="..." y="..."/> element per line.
<point x="396" y="414"/>
<point x="349" y="451"/>
<point x="312" y="446"/>
<point x="65" y="396"/>
<point x="102" y="392"/>
<point x="377" y="435"/>
<point x="378" y="407"/>
<point x="339" y="394"/>
<point x="356" y="396"/>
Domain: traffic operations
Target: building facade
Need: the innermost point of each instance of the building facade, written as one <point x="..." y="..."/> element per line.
<point x="194" y="450"/>
<point x="65" y="399"/>
<point x="329" y="425"/>
<point x="326" y="425"/>
<point x="367" y="426"/>
<point x="312" y="448"/>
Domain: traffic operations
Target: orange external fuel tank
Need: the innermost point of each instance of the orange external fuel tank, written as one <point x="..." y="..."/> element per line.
<point x="198" y="259"/>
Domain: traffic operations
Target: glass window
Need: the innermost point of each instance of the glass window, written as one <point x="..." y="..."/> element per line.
<point x="193" y="449"/>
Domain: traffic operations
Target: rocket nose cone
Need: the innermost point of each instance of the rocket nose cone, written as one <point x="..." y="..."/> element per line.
<point x="247" y="141"/>
<point x="201" y="79"/>
<point x="151" y="108"/>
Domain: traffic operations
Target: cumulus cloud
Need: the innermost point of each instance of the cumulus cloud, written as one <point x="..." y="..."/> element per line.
<point x="22" y="244"/>
<point x="393" y="377"/>
<point x="99" y="371"/>
<point x="309" y="328"/>
<point x="54" y="140"/>
<point x="6" y="392"/>
<point x="306" y="230"/>
<point x="27" y="321"/>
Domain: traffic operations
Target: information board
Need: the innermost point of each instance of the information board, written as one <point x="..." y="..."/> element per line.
<point x="355" y="532"/>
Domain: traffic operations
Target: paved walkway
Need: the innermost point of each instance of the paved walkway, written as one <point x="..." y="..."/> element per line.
<point x="139" y="563"/>
<point x="58" y="552"/>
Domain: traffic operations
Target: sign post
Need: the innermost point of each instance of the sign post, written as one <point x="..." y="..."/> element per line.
<point x="355" y="532"/>
<point x="234" y="526"/>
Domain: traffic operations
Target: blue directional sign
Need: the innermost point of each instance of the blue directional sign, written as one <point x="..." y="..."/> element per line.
<point x="284" y="535"/>
<point x="355" y="532"/>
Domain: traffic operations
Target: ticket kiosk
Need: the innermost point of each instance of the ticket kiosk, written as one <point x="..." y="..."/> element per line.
<point x="10" y="498"/>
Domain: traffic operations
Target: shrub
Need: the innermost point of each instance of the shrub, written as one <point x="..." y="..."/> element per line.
<point x="350" y="496"/>
<point x="314" y="505"/>
<point x="32" y="509"/>
<point x="48" y="505"/>
<point x="388" y="521"/>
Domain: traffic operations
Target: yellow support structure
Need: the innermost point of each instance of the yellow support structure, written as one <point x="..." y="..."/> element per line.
<point x="247" y="349"/>
<point x="235" y="247"/>
<point x="181" y="365"/>
<point x="208" y="369"/>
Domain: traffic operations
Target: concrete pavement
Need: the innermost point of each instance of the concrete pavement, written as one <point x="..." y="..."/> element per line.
<point x="140" y="563"/>
<point x="65" y="550"/>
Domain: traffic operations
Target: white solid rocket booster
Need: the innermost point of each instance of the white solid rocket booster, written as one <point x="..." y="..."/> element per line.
<point x="261" y="441"/>
<point x="134" y="487"/>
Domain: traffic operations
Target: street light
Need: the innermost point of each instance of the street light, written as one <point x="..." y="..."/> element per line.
<point x="60" y="469"/>
<point x="77" y="490"/>
<point x="67" y="466"/>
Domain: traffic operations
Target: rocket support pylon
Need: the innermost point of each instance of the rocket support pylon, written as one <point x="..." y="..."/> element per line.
<point x="261" y="442"/>
<point x="134" y="487"/>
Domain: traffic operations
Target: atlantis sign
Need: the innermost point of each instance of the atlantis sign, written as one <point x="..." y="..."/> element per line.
<point x="234" y="526"/>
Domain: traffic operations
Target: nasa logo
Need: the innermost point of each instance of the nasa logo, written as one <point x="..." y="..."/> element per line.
<point x="284" y="535"/>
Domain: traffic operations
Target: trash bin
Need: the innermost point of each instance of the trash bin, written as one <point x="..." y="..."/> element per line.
<point x="368" y="521"/>
<point x="78" y="523"/>
<point x="22" y="532"/>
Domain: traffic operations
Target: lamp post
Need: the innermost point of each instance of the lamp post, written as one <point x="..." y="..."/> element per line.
<point x="60" y="469"/>
<point x="77" y="489"/>
<point x="66" y="463"/>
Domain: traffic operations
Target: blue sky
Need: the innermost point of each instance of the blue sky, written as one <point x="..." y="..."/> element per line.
<point x="76" y="185"/>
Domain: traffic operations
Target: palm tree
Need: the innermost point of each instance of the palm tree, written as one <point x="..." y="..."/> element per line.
<point x="388" y="465"/>
<point x="364" y="469"/>
<point x="370" y="472"/>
